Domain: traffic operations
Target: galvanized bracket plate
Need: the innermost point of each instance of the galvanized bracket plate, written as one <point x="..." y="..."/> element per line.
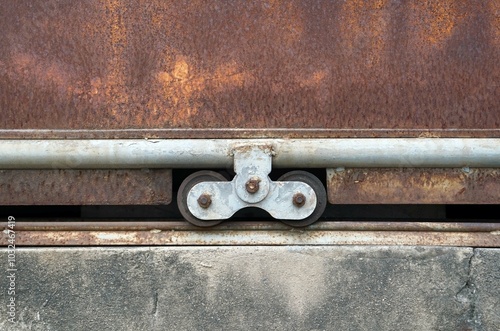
<point x="252" y="187"/>
<point x="225" y="201"/>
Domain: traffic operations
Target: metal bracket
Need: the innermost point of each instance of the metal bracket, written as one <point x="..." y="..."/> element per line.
<point x="252" y="187"/>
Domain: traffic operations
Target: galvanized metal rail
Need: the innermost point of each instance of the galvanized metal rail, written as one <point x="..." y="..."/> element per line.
<point x="217" y="153"/>
<point x="166" y="233"/>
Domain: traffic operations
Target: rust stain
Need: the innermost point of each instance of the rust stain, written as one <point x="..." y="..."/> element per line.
<point x="495" y="9"/>
<point x="413" y="186"/>
<point x="121" y="64"/>
<point x="438" y="19"/>
<point x="365" y="27"/>
<point x="285" y="17"/>
<point x="116" y="71"/>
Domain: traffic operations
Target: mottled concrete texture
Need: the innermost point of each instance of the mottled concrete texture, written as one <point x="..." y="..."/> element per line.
<point x="485" y="282"/>
<point x="254" y="288"/>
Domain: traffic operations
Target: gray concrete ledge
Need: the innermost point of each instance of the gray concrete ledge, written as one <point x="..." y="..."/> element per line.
<point x="253" y="288"/>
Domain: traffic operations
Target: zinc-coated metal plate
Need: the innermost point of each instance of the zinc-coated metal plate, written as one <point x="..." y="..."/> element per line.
<point x="225" y="201"/>
<point x="413" y="186"/>
<point x="295" y="64"/>
<point x="86" y="187"/>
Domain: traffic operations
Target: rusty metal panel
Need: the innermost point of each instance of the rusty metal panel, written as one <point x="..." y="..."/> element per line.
<point x="85" y="187"/>
<point x="123" y="64"/>
<point x="413" y="186"/>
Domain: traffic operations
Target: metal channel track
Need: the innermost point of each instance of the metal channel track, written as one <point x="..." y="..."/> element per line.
<point x="167" y="233"/>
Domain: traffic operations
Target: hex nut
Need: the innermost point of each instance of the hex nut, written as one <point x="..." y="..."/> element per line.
<point x="299" y="199"/>
<point x="205" y="200"/>
<point x="252" y="185"/>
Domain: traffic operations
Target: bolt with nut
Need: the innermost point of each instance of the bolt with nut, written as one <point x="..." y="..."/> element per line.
<point x="252" y="185"/>
<point x="299" y="199"/>
<point x="205" y="200"/>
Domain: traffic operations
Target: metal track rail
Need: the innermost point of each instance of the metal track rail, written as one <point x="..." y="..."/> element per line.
<point x="217" y="153"/>
<point x="165" y="233"/>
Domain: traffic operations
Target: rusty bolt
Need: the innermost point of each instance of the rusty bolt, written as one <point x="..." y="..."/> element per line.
<point x="205" y="200"/>
<point x="252" y="185"/>
<point x="299" y="199"/>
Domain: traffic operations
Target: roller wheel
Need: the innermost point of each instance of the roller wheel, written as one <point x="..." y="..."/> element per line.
<point x="186" y="186"/>
<point x="319" y="189"/>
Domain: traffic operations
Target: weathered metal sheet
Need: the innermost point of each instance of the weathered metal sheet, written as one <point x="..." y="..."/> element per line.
<point x="85" y="187"/>
<point x="413" y="186"/>
<point x="122" y="64"/>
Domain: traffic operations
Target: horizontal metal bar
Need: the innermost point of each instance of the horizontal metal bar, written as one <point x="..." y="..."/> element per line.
<point x="217" y="153"/>
<point x="248" y="133"/>
<point x="272" y="237"/>
<point x="154" y="225"/>
<point x="93" y="233"/>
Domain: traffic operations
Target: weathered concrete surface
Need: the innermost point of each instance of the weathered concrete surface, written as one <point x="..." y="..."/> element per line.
<point x="259" y="288"/>
<point x="485" y="281"/>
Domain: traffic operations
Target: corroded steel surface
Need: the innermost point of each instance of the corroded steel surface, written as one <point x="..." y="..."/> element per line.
<point x="85" y="187"/>
<point x="117" y="64"/>
<point x="413" y="186"/>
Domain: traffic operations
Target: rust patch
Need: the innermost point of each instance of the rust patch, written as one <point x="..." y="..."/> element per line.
<point x="85" y="187"/>
<point x="124" y="64"/>
<point x="413" y="186"/>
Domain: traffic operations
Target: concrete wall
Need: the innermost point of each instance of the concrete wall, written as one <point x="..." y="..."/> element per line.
<point x="254" y="288"/>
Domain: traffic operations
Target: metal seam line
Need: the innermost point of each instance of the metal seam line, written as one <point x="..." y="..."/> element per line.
<point x="217" y="153"/>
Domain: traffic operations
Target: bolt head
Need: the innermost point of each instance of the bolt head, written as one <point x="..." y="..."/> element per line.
<point x="205" y="200"/>
<point x="299" y="199"/>
<point x="252" y="185"/>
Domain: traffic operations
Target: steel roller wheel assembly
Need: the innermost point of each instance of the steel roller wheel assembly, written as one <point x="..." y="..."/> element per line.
<point x="206" y="198"/>
<point x="297" y="198"/>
